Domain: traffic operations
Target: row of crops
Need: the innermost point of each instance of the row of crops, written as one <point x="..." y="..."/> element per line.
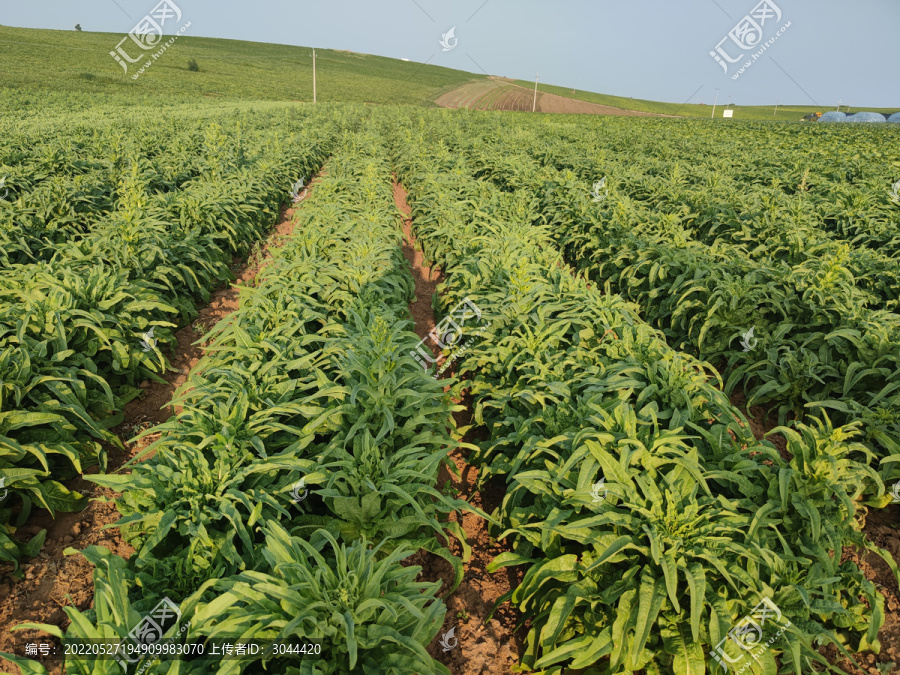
<point x="307" y="434"/>
<point x="107" y="234"/>
<point x="697" y="521"/>
<point x="806" y="259"/>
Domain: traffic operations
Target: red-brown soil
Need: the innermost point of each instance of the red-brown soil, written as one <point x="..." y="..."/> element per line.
<point x="54" y="580"/>
<point x="881" y="529"/>
<point x="761" y="421"/>
<point x="484" y="95"/>
<point x="477" y="647"/>
<point x="551" y="103"/>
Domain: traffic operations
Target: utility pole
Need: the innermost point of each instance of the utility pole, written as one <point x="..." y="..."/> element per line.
<point x="314" y="75"/>
<point x="777" y="100"/>
<point x="839" y="105"/>
<point x="534" y="105"/>
<point x="713" y="116"/>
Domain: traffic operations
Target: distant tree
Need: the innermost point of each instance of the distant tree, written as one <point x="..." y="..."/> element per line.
<point x="78" y="27"/>
<point x="193" y="66"/>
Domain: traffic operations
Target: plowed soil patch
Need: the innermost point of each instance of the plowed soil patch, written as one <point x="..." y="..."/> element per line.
<point x="500" y="94"/>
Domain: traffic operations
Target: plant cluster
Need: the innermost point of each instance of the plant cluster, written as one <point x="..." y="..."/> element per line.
<point x="804" y="258"/>
<point x="301" y="469"/>
<point x="102" y="242"/>
<point x="307" y="433"/>
<point x="648" y="519"/>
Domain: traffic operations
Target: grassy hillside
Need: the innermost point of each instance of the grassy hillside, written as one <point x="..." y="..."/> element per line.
<point x="67" y="62"/>
<point x="51" y="68"/>
<point x="785" y="113"/>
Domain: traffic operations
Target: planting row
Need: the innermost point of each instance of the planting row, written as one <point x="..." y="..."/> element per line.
<point x="80" y="328"/>
<point x="57" y="184"/>
<point x="800" y="333"/>
<point x="308" y="434"/>
<point x="651" y="525"/>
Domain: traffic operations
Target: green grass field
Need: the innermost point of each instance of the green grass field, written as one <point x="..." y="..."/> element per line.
<point x="66" y="65"/>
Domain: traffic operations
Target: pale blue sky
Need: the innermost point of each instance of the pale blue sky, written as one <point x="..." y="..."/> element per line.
<point x="642" y="48"/>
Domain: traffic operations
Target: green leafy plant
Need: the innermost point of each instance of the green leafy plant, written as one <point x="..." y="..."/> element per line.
<point x="367" y="610"/>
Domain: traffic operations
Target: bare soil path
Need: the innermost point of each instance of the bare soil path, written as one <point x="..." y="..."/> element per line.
<point x="53" y="579"/>
<point x="480" y="648"/>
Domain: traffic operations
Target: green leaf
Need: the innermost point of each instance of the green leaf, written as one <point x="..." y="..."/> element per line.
<point x="688" y="657"/>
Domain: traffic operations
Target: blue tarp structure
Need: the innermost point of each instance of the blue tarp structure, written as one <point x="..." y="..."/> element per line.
<point x="837" y="116"/>
<point x="894" y="118"/>
<point x="865" y="117"/>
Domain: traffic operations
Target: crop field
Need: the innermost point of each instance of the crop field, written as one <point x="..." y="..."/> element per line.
<point x="503" y="94"/>
<point x="493" y="394"/>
